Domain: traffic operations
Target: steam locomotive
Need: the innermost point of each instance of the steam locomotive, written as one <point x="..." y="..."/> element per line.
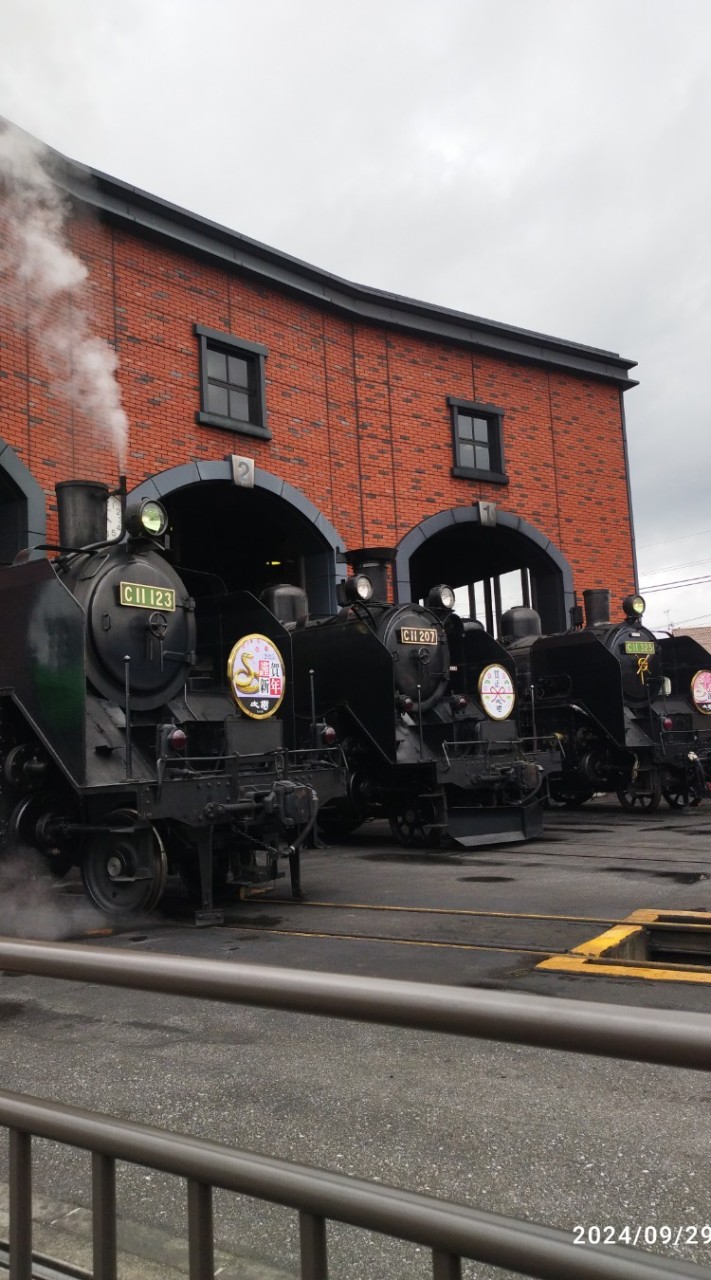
<point x="424" y="707"/>
<point x="632" y="713"/>
<point x="123" y="749"/>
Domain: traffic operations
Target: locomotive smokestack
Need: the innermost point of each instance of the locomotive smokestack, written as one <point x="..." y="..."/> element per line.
<point x="597" y="607"/>
<point x="81" y="511"/>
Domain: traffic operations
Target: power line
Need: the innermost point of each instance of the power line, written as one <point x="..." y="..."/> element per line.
<point x="688" y="564"/>
<point x="685" y="621"/>
<point x="674" y="586"/>
<point x="682" y="536"/>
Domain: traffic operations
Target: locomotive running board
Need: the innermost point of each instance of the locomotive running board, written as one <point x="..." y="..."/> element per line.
<point x="476" y="828"/>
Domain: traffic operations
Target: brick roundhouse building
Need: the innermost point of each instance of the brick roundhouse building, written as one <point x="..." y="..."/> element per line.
<point x="468" y="449"/>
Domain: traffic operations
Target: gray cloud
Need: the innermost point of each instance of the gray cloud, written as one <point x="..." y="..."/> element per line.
<point x="543" y="164"/>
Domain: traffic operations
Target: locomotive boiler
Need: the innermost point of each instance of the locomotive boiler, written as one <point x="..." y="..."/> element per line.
<point x="630" y="712"/>
<point x="424" y="707"/>
<point x="125" y="750"/>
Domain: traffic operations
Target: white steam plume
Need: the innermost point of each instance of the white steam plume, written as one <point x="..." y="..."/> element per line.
<point x="33" y="906"/>
<point x="35" y="252"/>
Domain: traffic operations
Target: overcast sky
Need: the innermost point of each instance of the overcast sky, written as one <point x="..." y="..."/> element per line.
<point x="544" y="163"/>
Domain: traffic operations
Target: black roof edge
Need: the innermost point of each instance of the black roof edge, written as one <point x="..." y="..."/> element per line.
<point x="129" y="205"/>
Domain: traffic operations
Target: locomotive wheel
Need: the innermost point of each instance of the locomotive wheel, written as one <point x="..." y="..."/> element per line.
<point x="647" y="801"/>
<point x="676" y="798"/>
<point x="413" y="827"/>
<point x="34" y="824"/>
<point x="569" y="797"/>
<point x="118" y="875"/>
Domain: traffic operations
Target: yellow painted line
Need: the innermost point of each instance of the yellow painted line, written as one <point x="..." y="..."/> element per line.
<point x="589" y="957"/>
<point x="597" y="947"/>
<point x="398" y="942"/>
<point x="572" y="964"/>
<point x="647" y="916"/>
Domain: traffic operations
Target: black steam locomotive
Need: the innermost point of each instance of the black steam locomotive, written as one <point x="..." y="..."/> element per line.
<point x="424" y="707"/>
<point x="632" y="713"/>
<point x="121" y="749"/>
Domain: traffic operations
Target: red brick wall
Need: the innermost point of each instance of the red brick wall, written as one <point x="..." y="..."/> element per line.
<point x="358" y="415"/>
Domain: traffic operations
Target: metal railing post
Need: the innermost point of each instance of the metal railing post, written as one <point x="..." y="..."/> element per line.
<point x="446" y="1266"/>
<point x="20" y="1227"/>
<point x="201" y="1248"/>
<point x="103" y="1204"/>
<point x="314" y="1260"/>
<point x="450" y="1232"/>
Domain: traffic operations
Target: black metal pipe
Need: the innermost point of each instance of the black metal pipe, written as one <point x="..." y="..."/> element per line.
<point x="312" y="687"/>
<point x="127" y="712"/>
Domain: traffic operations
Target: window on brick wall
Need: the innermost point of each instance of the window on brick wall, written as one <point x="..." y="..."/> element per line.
<point x="478" y="441"/>
<point x="232" y="383"/>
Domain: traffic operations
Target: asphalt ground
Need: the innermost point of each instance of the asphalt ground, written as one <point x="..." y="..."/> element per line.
<point x="562" y="1139"/>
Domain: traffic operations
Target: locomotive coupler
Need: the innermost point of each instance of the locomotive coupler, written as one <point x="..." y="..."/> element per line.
<point x="294" y="803"/>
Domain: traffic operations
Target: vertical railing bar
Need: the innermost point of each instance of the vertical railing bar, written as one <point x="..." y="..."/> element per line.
<point x="446" y="1266"/>
<point x="314" y="1260"/>
<point x="201" y="1247"/>
<point x="20" y="1225"/>
<point x="103" y="1204"/>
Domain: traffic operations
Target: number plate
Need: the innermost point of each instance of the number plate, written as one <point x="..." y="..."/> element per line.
<point x="639" y="646"/>
<point x="418" y="635"/>
<point x="139" y="596"/>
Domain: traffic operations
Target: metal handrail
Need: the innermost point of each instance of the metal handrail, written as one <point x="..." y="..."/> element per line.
<point x="662" y="1037"/>
<point x="448" y="1229"/>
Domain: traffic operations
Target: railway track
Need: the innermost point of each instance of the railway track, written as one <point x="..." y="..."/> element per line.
<point x="456" y="929"/>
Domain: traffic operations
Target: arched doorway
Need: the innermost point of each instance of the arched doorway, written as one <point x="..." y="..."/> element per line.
<point x="23" y="519"/>
<point x="249" y="535"/>
<point x="481" y="544"/>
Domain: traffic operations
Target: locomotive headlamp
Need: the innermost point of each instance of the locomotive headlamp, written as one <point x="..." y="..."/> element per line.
<point x="358" y="587"/>
<point x="146" y="518"/>
<point x="441" y="597"/>
<point x="634" y="607"/>
<point x="328" y="735"/>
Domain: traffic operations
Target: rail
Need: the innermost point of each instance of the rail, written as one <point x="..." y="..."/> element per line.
<point x="451" y="1232"/>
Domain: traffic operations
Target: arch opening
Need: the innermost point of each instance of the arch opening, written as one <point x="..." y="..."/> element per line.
<point x="23" y="520"/>
<point x="499" y="558"/>
<point x="247" y="538"/>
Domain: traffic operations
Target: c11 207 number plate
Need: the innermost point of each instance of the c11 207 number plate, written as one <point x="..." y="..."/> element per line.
<point x="418" y="635"/>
